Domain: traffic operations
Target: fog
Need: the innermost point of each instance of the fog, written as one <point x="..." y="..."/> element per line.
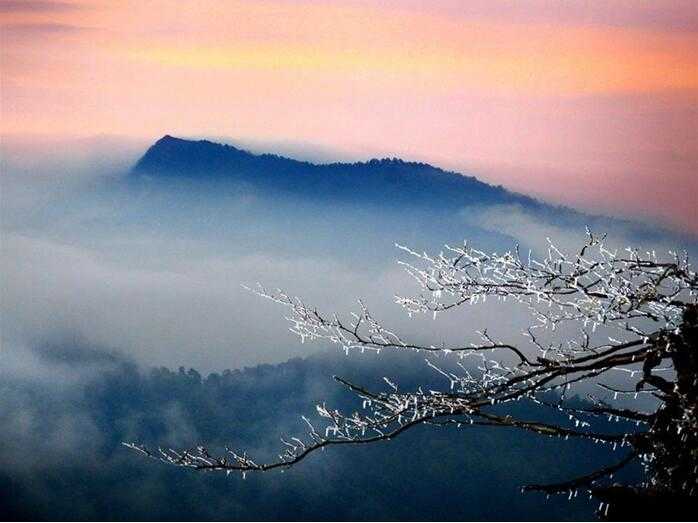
<point x="158" y="272"/>
<point x="102" y="282"/>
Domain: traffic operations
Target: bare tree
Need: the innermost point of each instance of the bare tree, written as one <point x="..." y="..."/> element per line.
<point x="621" y="327"/>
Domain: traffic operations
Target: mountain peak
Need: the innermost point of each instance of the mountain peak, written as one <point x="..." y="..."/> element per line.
<point x="168" y="138"/>
<point x="387" y="182"/>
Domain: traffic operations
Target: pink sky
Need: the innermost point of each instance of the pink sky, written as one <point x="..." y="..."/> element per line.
<point x="593" y="104"/>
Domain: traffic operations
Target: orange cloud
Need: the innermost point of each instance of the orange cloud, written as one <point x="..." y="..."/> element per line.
<point x="533" y="97"/>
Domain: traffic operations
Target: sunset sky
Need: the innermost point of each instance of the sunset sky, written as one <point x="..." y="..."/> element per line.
<point x="593" y="104"/>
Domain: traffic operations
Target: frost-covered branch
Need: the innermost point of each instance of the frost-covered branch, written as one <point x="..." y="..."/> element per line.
<point x="599" y="317"/>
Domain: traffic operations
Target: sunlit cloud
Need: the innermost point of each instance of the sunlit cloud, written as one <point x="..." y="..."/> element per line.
<point x="35" y="6"/>
<point x="33" y="30"/>
<point x="572" y="103"/>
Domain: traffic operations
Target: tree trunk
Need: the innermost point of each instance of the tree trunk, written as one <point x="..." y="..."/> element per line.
<point x="671" y="444"/>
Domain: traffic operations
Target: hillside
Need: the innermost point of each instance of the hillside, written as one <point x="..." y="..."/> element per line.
<point x="75" y="468"/>
<point x="389" y="181"/>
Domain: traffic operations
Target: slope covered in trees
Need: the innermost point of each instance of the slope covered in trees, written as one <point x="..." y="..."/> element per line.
<point x="74" y="467"/>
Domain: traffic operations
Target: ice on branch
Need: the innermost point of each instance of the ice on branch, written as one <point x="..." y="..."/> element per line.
<point x="597" y="316"/>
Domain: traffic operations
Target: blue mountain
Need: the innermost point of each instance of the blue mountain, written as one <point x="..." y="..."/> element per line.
<point x="418" y="191"/>
<point x="387" y="181"/>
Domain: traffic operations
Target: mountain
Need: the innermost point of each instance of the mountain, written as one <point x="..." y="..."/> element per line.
<point x="387" y="181"/>
<point x="419" y="193"/>
<point x="63" y="459"/>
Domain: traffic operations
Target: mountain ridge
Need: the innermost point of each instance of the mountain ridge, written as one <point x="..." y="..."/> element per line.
<point x="168" y="139"/>
<point x="389" y="180"/>
<point x="388" y="183"/>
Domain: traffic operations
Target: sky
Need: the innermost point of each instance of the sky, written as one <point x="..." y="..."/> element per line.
<point x="591" y="104"/>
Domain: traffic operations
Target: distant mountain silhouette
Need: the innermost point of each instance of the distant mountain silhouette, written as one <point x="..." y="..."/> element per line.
<point x="386" y="181"/>
<point x="386" y="184"/>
